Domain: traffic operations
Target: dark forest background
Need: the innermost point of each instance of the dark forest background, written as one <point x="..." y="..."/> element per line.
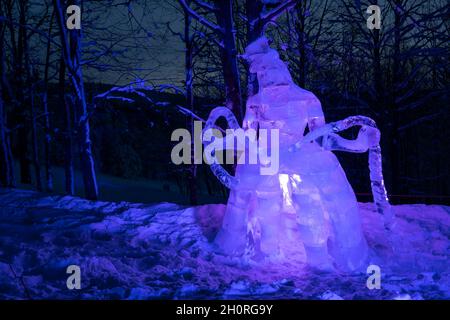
<point x="90" y="112"/>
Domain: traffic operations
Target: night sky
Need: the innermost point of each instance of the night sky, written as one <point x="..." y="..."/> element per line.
<point x="158" y="54"/>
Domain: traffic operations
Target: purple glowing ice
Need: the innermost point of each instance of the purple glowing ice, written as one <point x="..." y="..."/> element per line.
<point x="309" y="199"/>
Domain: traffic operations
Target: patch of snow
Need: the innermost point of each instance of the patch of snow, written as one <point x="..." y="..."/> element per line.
<point x="404" y="296"/>
<point x="329" y="295"/>
<point x="137" y="251"/>
<point x="238" y="288"/>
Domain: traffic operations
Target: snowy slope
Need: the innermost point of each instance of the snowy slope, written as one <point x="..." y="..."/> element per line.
<point x="136" y="251"/>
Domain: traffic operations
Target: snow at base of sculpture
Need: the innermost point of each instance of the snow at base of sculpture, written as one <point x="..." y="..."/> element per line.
<point x="309" y="200"/>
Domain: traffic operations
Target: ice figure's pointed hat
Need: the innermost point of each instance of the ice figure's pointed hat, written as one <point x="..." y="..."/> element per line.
<point x="259" y="46"/>
<point x="260" y="55"/>
<point x="263" y="59"/>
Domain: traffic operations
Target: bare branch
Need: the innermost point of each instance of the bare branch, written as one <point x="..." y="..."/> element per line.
<point x="205" y="5"/>
<point x="199" y="18"/>
<point x="273" y="15"/>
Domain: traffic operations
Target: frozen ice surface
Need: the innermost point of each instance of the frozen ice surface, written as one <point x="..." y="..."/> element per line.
<point x="137" y="251"/>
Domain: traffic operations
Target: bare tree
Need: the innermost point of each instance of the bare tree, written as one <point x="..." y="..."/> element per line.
<point x="47" y="127"/>
<point x="71" y="49"/>
<point x="6" y="161"/>
<point x="225" y="32"/>
<point x="17" y="57"/>
<point x="189" y="41"/>
<point x="67" y="104"/>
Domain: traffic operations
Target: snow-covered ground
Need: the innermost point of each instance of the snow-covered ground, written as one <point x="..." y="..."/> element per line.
<point x="136" y="251"/>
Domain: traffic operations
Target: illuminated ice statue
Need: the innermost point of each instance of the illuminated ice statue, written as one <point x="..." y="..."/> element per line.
<point x="309" y="199"/>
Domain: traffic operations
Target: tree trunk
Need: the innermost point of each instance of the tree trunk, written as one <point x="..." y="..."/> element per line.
<point x="84" y="140"/>
<point x="34" y="139"/>
<point x="228" y="56"/>
<point x="72" y="57"/>
<point x="301" y="34"/>
<point x="254" y="31"/>
<point x="396" y="79"/>
<point x="25" y="173"/>
<point x="6" y="161"/>
<point x="6" y="166"/>
<point x="189" y="42"/>
<point x="47" y="128"/>
<point x="32" y="80"/>
<point x="47" y="145"/>
<point x="68" y="135"/>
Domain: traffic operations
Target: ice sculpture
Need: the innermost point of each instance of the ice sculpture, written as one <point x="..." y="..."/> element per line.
<point x="309" y="199"/>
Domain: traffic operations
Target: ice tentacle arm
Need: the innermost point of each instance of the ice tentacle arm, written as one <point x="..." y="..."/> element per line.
<point x="224" y="177"/>
<point x="368" y="139"/>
